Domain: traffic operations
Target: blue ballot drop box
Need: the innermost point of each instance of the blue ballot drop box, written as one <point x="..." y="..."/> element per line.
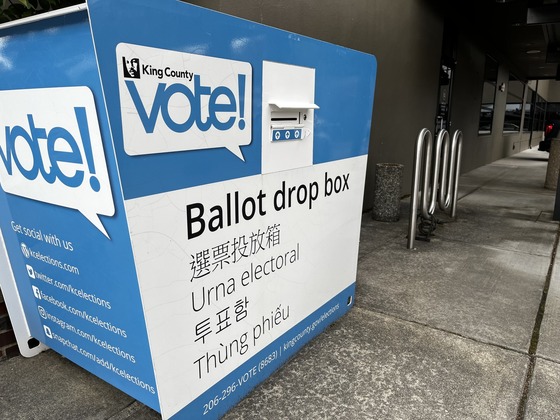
<point x="181" y="194"/>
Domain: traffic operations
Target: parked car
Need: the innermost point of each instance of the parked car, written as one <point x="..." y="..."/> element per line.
<point x="551" y="131"/>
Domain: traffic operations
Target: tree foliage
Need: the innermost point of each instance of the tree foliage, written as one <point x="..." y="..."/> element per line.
<point x="17" y="9"/>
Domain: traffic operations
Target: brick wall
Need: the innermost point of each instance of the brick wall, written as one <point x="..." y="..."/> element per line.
<point x="8" y="346"/>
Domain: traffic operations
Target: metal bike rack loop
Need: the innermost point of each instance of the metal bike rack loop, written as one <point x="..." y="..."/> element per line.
<point x="439" y="180"/>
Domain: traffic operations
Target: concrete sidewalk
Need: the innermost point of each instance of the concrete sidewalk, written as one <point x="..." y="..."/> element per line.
<point x="449" y="330"/>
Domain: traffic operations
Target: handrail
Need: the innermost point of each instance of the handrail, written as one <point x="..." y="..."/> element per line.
<point x="444" y="179"/>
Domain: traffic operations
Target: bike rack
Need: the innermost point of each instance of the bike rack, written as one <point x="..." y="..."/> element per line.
<point x="440" y="181"/>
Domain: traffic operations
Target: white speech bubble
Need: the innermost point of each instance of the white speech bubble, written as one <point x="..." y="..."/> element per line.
<point x="174" y="101"/>
<point x="51" y="150"/>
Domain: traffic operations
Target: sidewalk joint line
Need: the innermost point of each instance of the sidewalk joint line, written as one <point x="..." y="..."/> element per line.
<point x="522" y="407"/>
<point x="443" y="330"/>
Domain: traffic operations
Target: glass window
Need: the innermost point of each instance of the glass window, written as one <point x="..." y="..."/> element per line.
<point x="512" y="120"/>
<point x="488" y="96"/>
<point x="540" y="114"/>
<point x="552" y="112"/>
<point x="530" y="105"/>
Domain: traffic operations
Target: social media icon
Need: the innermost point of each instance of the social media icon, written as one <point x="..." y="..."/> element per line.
<point x="30" y="271"/>
<point x="36" y="292"/>
<point x="42" y="312"/>
<point x="25" y="250"/>
<point x="48" y="331"/>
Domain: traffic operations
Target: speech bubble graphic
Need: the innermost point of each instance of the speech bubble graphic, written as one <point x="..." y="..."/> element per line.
<point x="51" y="150"/>
<point x="173" y="101"/>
